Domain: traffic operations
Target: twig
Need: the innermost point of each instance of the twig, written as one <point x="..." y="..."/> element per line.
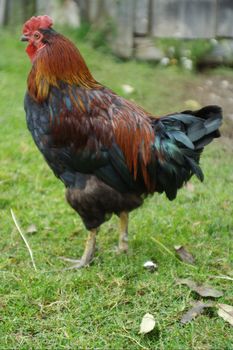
<point x="24" y="239"/>
<point x="133" y="339"/>
<point x="170" y="253"/>
<point x="223" y="277"/>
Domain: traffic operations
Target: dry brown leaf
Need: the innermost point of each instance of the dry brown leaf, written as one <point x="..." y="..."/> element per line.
<point x="195" y="311"/>
<point x="184" y="255"/>
<point x="201" y="289"/>
<point x="31" y="229"/>
<point x="207" y="291"/>
<point x="191" y="284"/>
<point x="226" y="312"/>
<point x="148" y="324"/>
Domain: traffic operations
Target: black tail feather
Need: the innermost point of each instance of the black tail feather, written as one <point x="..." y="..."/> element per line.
<point x="213" y="120"/>
<point x="179" y="141"/>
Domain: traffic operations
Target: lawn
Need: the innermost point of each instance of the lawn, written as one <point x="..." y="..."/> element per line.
<point x="102" y="306"/>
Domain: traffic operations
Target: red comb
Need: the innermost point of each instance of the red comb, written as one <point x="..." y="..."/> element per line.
<point x="39" y="22"/>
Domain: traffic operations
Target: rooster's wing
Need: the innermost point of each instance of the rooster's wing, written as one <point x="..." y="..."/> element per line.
<point x="101" y="133"/>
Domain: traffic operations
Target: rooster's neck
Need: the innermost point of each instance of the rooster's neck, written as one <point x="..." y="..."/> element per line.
<point x="59" y="61"/>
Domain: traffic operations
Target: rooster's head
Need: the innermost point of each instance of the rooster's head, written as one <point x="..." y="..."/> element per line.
<point x="37" y="31"/>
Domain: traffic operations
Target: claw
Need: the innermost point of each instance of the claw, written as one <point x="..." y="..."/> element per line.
<point x="78" y="265"/>
<point x="123" y="247"/>
<point x="68" y="259"/>
<point x="88" y="254"/>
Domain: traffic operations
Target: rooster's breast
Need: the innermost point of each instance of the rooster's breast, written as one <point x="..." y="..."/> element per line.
<point x="38" y="122"/>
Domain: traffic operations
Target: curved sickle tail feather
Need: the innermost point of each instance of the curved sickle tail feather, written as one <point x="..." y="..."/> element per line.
<point x="179" y="142"/>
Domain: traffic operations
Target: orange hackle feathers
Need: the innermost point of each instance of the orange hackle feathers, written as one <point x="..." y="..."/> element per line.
<point x="58" y="62"/>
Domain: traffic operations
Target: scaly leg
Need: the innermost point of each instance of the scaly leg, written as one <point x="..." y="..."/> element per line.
<point x="88" y="254"/>
<point x="123" y="237"/>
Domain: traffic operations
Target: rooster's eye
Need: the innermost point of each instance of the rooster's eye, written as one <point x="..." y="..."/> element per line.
<point x="36" y="35"/>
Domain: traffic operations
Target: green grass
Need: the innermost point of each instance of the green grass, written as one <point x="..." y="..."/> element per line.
<point x="101" y="307"/>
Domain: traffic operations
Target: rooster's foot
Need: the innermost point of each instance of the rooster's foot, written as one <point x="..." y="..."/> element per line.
<point x="121" y="248"/>
<point x="88" y="254"/>
<point x="77" y="263"/>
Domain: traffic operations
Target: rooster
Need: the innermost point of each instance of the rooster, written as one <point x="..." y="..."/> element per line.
<point x="109" y="152"/>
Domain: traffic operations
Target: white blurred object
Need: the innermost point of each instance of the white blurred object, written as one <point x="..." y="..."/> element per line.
<point x="187" y="63"/>
<point x="147" y="324"/>
<point x="213" y="41"/>
<point x="150" y="265"/>
<point x="165" y="61"/>
<point x="128" y="89"/>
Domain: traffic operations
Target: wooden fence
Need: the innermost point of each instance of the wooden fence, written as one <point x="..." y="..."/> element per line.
<point x="138" y="19"/>
<point x="135" y="21"/>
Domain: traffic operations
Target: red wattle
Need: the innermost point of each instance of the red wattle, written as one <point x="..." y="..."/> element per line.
<point x="31" y="51"/>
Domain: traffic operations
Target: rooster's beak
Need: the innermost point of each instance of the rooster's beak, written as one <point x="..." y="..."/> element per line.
<point x="24" y="38"/>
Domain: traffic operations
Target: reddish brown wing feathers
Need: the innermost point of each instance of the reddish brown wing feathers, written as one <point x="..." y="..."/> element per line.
<point x="97" y="118"/>
<point x="85" y="124"/>
<point x="134" y="135"/>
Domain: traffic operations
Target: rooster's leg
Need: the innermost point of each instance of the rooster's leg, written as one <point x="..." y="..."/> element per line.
<point x="88" y="254"/>
<point x="123" y="238"/>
